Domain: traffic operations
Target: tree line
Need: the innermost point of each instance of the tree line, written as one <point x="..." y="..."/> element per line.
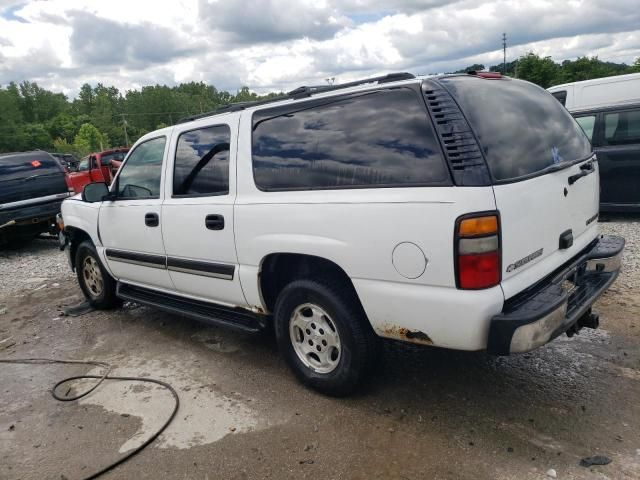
<point x="100" y="117"/>
<point x="545" y="72"/>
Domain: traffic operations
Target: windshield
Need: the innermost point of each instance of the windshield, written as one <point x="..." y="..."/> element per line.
<point x="23" y="165"/>
<point x="521" y="128"/>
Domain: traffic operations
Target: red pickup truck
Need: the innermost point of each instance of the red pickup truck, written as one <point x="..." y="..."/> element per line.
<point x="97" y="167"/>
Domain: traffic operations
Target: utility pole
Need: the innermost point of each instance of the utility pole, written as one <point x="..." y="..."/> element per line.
<point x="504" y="53"/>
<point x="124" y="126"/>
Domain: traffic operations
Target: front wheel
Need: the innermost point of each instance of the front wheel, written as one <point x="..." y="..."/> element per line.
<point x="324" y="336"/>
<point x="95" y="282"/>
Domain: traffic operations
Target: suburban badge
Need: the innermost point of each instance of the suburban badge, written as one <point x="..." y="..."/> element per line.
<point x="525" y="260"/>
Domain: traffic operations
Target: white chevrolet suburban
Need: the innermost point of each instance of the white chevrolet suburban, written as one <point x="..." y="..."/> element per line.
<point x="455" y="211"/>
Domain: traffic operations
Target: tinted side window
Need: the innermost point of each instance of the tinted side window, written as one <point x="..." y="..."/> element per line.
<point x="587" y="123"/>
<point x="382" y="138"/>
<point x="83" y="166"/>
<point x="561" y="96"/>
<point x="140" y="175"/>
<point x="622" y="128"/>
<point x="202" y="162"/>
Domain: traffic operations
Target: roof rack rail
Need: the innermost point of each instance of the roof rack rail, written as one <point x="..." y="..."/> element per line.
<point x="304" y="91"/>
<point x="300" y="92"/>
<point x="233" y="107"/>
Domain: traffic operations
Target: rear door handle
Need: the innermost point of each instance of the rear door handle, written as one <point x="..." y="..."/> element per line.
<point x="214" y="222"/>
<point x="151" y="220"/>
<point x="587" y="168"/>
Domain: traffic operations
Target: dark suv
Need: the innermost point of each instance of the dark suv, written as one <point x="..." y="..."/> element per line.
<point x="32" y="187"/>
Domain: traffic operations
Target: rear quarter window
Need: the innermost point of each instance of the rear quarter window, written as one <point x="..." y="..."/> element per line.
<point x="521" y="128"/>
<point x="382" y="138"/>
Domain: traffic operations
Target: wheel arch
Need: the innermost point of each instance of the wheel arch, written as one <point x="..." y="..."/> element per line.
<point x="278" y="269"/>
<point x="76" y="237"/>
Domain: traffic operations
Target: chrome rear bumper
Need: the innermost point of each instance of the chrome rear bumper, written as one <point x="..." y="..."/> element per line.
<point x="558" y="303"/>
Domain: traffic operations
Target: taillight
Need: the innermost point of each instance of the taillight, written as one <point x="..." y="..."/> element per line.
<point x="477" y="251"/>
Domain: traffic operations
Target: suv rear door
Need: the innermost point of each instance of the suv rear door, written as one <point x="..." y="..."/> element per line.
<point x="545" y="179"/>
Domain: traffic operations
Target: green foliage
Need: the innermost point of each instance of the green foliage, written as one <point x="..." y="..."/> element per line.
<point x="476" y="67"/>
<point x="545" y="72"/>
<point x="541" y="71"/>
<point x="61" y="145"/>
<point x="89" y="139"/>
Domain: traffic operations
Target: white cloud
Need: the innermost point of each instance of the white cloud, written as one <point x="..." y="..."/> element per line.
<point x="278" y="44"/>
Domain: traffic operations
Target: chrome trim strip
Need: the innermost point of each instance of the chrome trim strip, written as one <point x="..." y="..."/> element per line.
<point x="136" y="262"/>
<point x="200" y="272"/>
<point x="134" y="258"/>
<point x="32" y="201"/>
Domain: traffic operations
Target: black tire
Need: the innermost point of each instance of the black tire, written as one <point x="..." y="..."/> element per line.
<point x="358" y="341"/>
<point x="105" y="297"/>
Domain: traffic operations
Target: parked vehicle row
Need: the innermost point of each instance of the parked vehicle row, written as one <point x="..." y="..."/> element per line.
<point x="608" y="110"/>
<point x="32" y="187"/>
<point x="455" y="211"/>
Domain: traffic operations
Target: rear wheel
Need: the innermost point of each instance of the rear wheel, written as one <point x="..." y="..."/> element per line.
<point x="96" y="283"/>
<point x="324" y="336"/>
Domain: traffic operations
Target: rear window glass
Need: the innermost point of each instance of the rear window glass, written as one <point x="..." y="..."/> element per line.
<point x="561" y="96"/>
<point x="377" y="139"/>
<point x="521" y="128"/>
<point x="27" y="164"/>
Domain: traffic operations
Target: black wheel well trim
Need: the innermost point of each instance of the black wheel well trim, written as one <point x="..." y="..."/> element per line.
<point x="296" y="267"/>
<point x="76" y="237"/>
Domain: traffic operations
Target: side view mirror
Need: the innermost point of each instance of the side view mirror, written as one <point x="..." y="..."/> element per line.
<point x="95" y="192"/>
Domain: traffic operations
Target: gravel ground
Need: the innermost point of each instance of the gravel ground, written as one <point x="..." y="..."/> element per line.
<point x="629" y="228"/>
<point x="33" y="265"/>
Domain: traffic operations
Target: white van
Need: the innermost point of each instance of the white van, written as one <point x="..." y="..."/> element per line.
<point x="599" y="92"/>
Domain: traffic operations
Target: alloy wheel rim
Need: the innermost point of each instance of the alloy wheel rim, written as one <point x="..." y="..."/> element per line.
<point x="92" y="276"/>
<point x="315" y="338"/>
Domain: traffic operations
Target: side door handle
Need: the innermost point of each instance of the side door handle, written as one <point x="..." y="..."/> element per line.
<point x="151" y="220"/>
<point x="214" y="222"/>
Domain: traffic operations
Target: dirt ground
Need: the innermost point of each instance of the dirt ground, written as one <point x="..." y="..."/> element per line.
<point x="426" y="414"/>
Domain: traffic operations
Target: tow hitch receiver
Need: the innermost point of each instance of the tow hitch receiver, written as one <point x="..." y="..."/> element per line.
<point x="588" y="320"/>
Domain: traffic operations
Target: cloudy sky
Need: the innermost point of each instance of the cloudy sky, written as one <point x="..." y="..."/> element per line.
<point x="280" y="44"/>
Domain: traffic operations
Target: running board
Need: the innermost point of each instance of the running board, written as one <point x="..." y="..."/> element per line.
<point x="234" y="318"/>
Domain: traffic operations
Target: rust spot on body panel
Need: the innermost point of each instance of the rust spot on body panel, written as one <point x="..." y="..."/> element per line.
<point x="401" y="333"/>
